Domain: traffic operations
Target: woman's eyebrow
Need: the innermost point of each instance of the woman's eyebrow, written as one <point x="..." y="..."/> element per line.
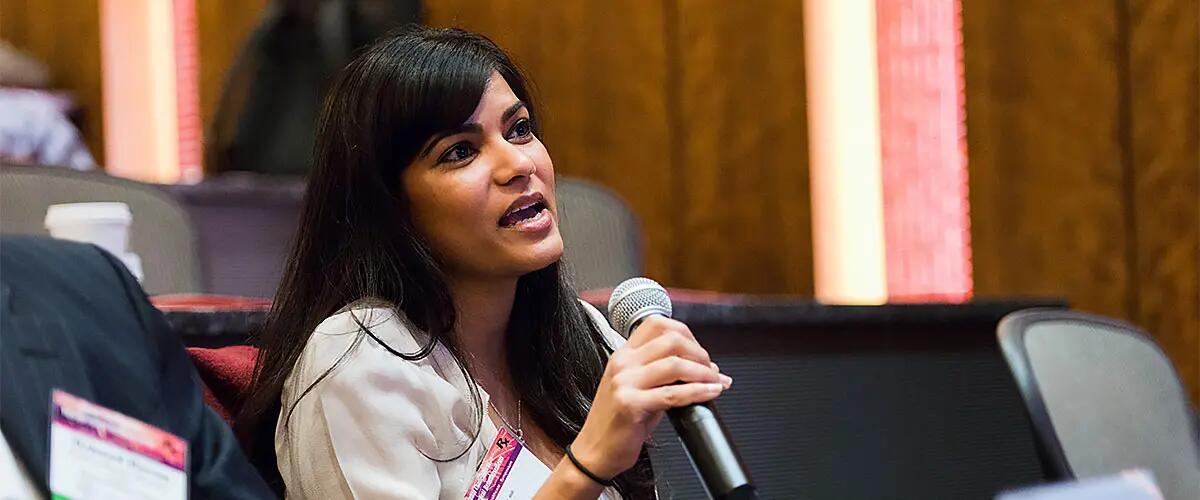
<point x="462" y="129"/>
<point x="470" y="127"/>
<point x="512" y="110"/>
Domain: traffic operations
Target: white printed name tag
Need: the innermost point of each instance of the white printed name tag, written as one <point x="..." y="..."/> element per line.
<point x="1135" y="484"/>
<point x="97" y="453"/>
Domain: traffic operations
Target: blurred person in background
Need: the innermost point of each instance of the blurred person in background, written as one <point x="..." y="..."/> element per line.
<point x="35" y="127"/>
<point x="267" y="114"/>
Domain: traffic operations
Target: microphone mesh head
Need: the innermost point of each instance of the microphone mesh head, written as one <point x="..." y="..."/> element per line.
<point x="633" y="300"/>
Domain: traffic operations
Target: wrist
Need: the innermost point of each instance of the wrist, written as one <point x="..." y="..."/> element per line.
<point x="592" y="458"/>
<point x="576" y="481"/>
<point x="566" y="482"/>
<point x="586" y="471"/>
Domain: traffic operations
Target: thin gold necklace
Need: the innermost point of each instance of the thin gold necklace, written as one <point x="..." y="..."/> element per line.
<point x="520" y="432"/>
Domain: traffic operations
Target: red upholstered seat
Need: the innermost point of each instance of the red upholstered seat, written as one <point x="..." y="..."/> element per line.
<point x="226" y="373"/>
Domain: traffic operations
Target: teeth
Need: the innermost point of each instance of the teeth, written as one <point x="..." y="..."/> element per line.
<point x="511" y="214"/>
<point x="518" y="209"/>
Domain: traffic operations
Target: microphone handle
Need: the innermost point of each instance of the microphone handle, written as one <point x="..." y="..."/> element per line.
<point x="711" y="453"/>
<point x="708" y="446"/>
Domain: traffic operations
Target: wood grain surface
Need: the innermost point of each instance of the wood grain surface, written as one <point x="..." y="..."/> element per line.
<point x="1046" y="178"/>
<point x="1082" y="123"/>
<point x="742" y="171"/>
<point x="1164" y="84"/>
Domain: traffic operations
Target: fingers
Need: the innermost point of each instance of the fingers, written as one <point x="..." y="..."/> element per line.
<point x="674" y="369"/>
<point x="661" y="352"/>
<point x="671" y="343"/>
<point x="673" y="396"/>
<point x="654" y="326"/>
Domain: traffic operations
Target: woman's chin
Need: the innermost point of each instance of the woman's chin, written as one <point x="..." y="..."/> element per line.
<point x="542" y="254"/>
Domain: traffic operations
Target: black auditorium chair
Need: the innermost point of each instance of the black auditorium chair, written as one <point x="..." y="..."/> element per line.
<point x="1102" y="397"/>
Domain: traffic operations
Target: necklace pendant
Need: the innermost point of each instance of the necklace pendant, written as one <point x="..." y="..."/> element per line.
<point x="520" y="433"/>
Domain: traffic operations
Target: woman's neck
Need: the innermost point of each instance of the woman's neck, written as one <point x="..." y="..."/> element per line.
<point x="483" y="308"/>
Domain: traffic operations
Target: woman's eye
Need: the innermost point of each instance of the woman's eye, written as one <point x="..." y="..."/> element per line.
<point x="458" y="152"/>
<point x="521" y="130"/>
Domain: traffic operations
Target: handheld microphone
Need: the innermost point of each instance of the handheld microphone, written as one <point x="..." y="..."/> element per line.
<point x="699" y="428"/>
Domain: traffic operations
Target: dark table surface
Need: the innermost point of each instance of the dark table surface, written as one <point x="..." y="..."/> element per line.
<point x="217" y="320"/>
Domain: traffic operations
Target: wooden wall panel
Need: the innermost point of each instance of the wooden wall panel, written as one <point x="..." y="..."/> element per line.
<point x="1046" y="177"/>
<point x="742" y="170"/>
<point x="600" y="72"/>
<point x="1164" y="72"/>
<point x="65" y="35"/>
<point x="1083" y="124"/>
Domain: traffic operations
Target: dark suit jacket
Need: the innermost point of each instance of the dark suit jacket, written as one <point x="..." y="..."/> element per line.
<point x="72" y="318"/>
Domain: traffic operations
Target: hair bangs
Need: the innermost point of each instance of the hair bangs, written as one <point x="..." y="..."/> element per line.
<point x="443" y="93"/>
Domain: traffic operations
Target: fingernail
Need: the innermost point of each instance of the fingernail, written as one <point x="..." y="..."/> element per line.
<point x="726" y="381"/>
<point x="714" y="366"/>
<point x="715" y="388"/>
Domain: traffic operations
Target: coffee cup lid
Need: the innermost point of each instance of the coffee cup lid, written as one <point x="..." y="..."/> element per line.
<point x="104" y="211"/>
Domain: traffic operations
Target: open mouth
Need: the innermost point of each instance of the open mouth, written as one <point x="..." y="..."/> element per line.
<point x="525" y="208"/>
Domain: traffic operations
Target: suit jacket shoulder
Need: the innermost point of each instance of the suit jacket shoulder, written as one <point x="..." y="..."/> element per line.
<point x="80" y="322"/>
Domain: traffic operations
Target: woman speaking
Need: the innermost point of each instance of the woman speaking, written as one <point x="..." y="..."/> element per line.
<point x="425" y="306"/>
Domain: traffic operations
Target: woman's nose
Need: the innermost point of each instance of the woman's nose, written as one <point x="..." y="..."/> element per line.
<point x="513" y="165"/>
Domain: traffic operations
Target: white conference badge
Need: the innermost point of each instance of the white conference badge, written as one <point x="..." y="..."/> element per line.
<point x="1133" y="484"/>
<point x="97" y="453"/>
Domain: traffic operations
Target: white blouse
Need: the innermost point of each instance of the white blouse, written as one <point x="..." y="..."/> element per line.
<point x="361" y="430"/>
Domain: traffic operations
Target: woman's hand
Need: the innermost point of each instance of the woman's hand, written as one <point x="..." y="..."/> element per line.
<point x="660" y="367"/>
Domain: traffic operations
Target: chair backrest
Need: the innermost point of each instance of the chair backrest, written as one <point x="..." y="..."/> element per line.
<point x="246" y="223"/>
<point x="161" y="233"/>
<point x="1103" y="397"/>
<point x="602" y="236"/>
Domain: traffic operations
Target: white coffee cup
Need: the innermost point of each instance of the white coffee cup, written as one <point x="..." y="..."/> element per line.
<point x="134" y="264"/>
<point x="104" y="224"/>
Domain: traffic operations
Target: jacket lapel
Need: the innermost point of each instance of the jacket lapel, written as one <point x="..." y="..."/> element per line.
<point x="37" y="356"/>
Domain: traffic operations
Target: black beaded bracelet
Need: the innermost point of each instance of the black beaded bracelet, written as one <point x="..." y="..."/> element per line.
<point x="608" y="483"/>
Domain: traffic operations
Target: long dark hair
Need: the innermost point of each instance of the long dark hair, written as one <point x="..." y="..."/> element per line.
<point x="357" y="242"/>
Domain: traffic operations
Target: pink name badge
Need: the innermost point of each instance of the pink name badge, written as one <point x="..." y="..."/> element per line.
<point x="509" y="471"/>
<point x="96" y="452"/>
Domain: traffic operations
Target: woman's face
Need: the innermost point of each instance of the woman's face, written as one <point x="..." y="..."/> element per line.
<point x="483" y="196"/>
